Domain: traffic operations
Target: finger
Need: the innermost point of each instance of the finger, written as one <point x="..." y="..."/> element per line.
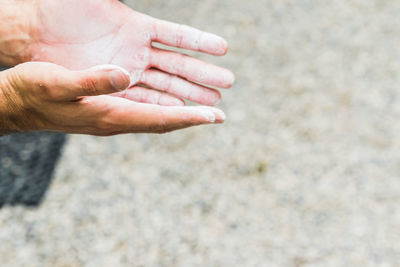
<point x="103" y="79"/>
<point x="59" y="83"/>
<point x="118" y="115"/>
<point x="149" y="96"/>
<point x="192" y="69"/>
<point x="186" y="37"/>
<point x="174" y="85"/>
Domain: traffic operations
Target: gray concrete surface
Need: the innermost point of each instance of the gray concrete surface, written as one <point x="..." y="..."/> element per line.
<point x="305" y="172"/>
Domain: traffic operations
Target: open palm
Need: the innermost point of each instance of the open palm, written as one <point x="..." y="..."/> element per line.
<point x="80" y="34"/>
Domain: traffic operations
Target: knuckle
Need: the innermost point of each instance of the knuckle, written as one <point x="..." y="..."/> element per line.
<point x="106" y="127"/>
<point x="168" y="82"/>
<point x="42" y="80"/>
<point x="197" y="42"/>
<point x="106" y="134"/>
<point x="180" y="64"/>
<point x="164" y="130"/>
<point x="179" y="35"/>
<point x="157" y="99"/>
<point x="161" y="131"/>
<point x="154" y="29"/>
<point x="46" y="91"/>
<point x="26" y="88"/>
<point x="103" y="126"/>
<point x="89" y="85"/>
<point x="156" y="129"/>
<point x="162" y="127"/>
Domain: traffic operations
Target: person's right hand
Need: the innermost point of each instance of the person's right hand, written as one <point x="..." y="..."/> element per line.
<point x="45" y="96"/>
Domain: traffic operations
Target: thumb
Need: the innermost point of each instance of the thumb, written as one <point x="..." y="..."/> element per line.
<point x="58" y="83"/>
<point x="99" y="80"/>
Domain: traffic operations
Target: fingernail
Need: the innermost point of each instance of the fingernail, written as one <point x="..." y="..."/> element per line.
<point x="119" y="80"/>
<point x="210" y="116"/>
<point x="230" y="79"/>
<point x="119" y="77"/>
<point x="224" y="46"/>
<point x="221" y="117"/>
<point x="205" y="112"/>
<point x="216" y="43"/>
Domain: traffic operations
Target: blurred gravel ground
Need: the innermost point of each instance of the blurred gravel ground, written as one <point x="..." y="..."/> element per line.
<point x="304" y="173"/>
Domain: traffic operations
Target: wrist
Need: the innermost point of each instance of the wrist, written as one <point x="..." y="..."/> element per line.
<point x="17" y="30"/>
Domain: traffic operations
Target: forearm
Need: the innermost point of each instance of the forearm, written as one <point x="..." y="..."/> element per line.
<point x="17" y="28"/>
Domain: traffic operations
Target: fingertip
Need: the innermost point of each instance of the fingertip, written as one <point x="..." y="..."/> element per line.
<point x="220" y="116"/>
<point x="118" y="76"/>
<point x="214" y="99"/>
<point x="220" y="46"/>
<point x="228" y="79"/>
<point x="231" y="79"/>
<point x="224" y="47"/>
<point x="211" y="115"/>
<point x="180" y="102"/>
<point x="213" y="44"/>
<point x="119" y="79"/>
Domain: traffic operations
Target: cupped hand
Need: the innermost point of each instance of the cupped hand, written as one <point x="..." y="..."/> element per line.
<point x="45" y="96"/>
<point x="79" y="34"/>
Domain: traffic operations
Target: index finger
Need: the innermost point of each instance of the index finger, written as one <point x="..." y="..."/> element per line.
<point x="118" y="115"/>
<point x="186" y="37"/>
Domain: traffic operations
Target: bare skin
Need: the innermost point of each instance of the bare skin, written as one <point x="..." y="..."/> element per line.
<point x="45" y="96"/>
<point x="79" y="34"/>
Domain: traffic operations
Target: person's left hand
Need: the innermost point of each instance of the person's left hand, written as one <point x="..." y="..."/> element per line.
<point x="38" y="96"/>
<point x="79" y="34"/>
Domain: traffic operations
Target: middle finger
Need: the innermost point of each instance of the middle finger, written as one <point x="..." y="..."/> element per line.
<point x="191" y="68"/>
